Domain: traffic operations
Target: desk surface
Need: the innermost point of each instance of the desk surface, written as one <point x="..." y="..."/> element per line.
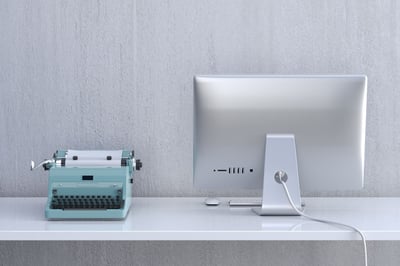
<point x="190" y="219"/>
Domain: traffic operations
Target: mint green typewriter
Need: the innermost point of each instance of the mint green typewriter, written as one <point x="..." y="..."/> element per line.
<point x="89" y="184"/>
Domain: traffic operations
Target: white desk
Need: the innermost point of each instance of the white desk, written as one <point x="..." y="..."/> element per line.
<point x="190" y="219"/>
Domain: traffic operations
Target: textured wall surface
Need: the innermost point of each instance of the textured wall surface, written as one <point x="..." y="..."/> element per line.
<point x="114" y="74"/>
<point x="67" y="79"/>
<point x="292" y="253"/>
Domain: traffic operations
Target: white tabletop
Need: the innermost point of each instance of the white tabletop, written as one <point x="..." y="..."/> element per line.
<point x="190" y="219"/>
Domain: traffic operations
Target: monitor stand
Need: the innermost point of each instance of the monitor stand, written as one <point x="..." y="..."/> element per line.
<point x="280" y="162"/>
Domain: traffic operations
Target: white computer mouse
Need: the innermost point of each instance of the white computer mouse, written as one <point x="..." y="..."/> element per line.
<point x="212" y="202"/>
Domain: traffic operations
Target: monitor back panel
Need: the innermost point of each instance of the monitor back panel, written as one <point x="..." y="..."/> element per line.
<point x="232" y="115"/>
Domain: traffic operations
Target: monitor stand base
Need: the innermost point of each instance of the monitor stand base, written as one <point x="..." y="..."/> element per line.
<point x="280" y="159"/>
<point x="245" y="202"/>
<point x="252" y="203"/>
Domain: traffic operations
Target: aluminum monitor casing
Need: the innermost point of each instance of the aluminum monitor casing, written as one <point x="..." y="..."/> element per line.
<point x="233" y="114"/>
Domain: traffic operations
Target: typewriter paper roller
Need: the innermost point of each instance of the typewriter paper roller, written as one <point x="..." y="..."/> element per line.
<point x="82" y="158"/>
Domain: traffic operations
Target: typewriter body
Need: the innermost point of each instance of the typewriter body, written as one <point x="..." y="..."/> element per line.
<point x="89" y="184"/>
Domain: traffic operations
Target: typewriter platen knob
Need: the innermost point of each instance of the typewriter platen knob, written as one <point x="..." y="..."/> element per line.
<point x="138" y="164"/>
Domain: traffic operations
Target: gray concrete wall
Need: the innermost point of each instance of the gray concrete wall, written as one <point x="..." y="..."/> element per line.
<point x="114" y="74"/>
<point x="254" y="253"/>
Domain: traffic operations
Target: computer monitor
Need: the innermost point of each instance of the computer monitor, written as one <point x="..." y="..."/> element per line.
<point x="248" y="129"/>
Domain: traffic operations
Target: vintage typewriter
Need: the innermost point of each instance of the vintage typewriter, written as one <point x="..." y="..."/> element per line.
<point x="89" y="184"/>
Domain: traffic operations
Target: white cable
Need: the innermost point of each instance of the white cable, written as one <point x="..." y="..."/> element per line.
<point x="327" y="222"/>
